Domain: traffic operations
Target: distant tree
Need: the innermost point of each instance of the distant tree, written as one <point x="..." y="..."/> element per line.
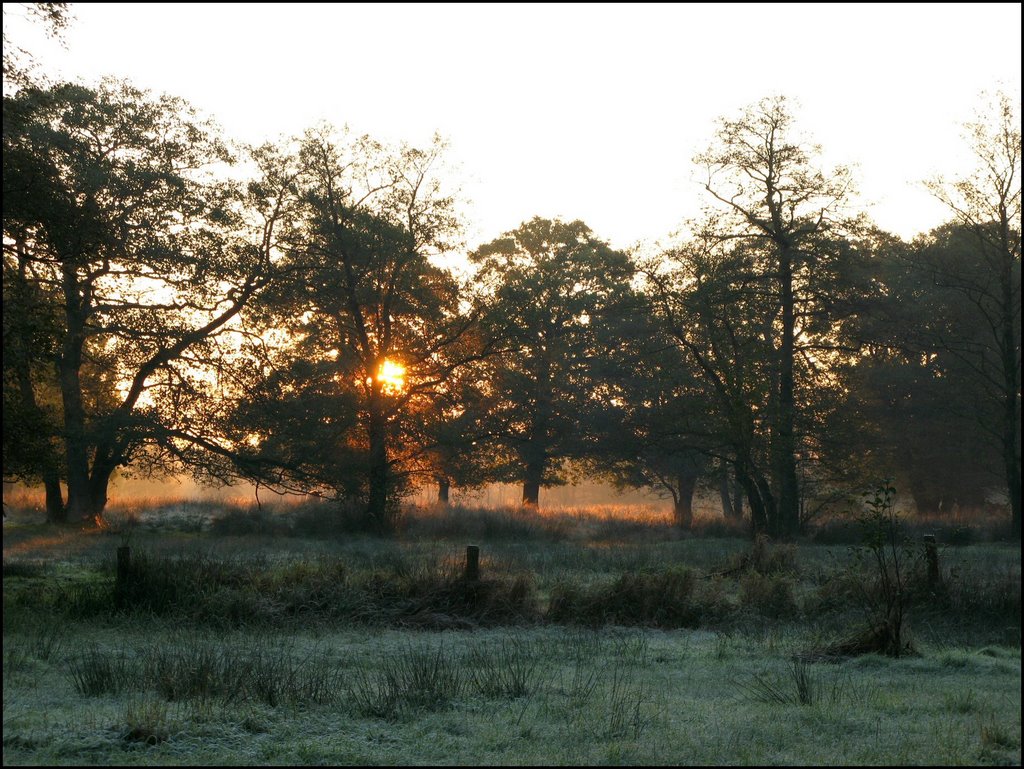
<point x="559" y="300"/>
<point x="978" y="268"/>
<point x="660" y="435"/>
<point x="134" y="260"/>
<point x="789" y="213"/>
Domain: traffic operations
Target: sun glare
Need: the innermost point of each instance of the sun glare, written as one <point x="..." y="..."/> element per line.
<point x="391" y="375"/>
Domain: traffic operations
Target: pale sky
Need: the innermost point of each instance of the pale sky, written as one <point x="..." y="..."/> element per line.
<point x="578" y="111"/>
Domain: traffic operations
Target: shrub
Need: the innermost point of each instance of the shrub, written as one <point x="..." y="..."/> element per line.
<point x="662" y="599"/>
<point x="771" y="596"/>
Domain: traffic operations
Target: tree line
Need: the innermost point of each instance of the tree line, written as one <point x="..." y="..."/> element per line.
<point x="287" y="315"/>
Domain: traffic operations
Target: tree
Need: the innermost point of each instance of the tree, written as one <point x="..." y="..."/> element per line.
<point x="31" y="429"/>
<point x="367" y="313"/>
<point x="986" y="279"/>
<point x="140" y="258"/>
<point x="778" y="203"/>
<point x="707" y="299"/>
<point x="558" y="300"/>
<point x="659" y="433"/>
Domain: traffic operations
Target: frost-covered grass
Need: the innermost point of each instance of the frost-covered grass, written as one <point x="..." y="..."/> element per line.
<point x="614" y="695"/>
<point x="263" y="648"/>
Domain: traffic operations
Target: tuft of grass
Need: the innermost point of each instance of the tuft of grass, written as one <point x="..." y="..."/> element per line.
<point x="801" y="686"/>
<point x="506" y="670"/>
<point x="419" y="678"/>
<point x="147" y="721"/>
<point x="97" y="671"/>
<point x="660" y="599"/>
<point x="769" y="595"/>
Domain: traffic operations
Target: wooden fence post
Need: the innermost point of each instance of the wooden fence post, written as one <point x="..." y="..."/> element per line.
<point x="472" y="563"/>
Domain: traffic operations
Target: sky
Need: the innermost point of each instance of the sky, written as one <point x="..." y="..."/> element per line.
<point x="589" y="111"/>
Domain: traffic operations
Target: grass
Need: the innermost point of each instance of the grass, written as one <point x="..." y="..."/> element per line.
<point x="584" y="642"/>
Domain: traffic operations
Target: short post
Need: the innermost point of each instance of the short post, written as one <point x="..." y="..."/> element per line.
<point x="931" y="554"/>
<point x="472" y="563"/>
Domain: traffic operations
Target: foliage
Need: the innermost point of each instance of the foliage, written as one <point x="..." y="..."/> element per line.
<point x="558" y="301"/>
<point x="130" y="261"/>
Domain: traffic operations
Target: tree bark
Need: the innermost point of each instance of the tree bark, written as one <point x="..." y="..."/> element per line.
<point x="378" y="480"/>
<point x="443" y="485"/>
<point x="683" y="508"/>
<point x="56" y="512"/>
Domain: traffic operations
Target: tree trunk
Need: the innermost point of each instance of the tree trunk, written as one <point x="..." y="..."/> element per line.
<point x="1010" y="354"/>
<point x="55" y="510"/>
<point x="683" y="512"/>
<point x="531" y="491"/>
<point x="728" y="511"/>
<point x="758" y="492"/>
<point x="378" y="475"/>
<point x="443" y="485"/>
<point x="786" y="522"/>
<point x="737" y="504"/>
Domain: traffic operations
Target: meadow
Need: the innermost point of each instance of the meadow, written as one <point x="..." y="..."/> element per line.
<point x="230" y="634"/>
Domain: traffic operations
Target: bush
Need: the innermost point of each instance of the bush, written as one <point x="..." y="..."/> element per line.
<point x="770" y="596"/>
<point x="662" y="599"/>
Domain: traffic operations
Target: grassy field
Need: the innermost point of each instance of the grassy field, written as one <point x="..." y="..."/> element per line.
<point x="598" y="636"/>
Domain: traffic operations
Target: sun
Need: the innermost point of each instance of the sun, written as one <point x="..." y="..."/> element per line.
<point x="391" y="376"/>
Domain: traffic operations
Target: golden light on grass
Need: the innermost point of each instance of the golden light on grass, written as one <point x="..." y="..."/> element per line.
<point x="391" y="376"/>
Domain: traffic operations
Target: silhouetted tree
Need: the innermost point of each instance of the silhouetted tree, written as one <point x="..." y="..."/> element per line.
<point x="980" y="270"/>
<point x="113" y="219"/>
<point x="559" y="300"/>
<point x="789" y="213"/>
<point x="364" y="300"/>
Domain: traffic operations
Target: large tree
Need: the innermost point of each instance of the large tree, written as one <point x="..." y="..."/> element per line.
<point x="982" y="272"/>
<point x="137" y="258"/>
<point x="368" y="313"/>
<point x="774" y="200"/>
<point x="559" y="300"/>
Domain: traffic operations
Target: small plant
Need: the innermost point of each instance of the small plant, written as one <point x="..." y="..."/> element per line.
<point x="891" y="558"/>
<point x="626" y="702"/>
<point x="962" y="701"/>
<point x="802" y="686"/>
<point x="16" y="658"/>
<point x="996" y="735"/>
<point x="771" y="596"/>
<point x="277" y="676"/>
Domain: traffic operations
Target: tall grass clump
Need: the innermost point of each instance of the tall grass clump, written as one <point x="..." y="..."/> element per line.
<point x="801" y="685"/>
<point x="419" y="678"/>
<point x="97" y="671"/>
<point x="506" y="670"/>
